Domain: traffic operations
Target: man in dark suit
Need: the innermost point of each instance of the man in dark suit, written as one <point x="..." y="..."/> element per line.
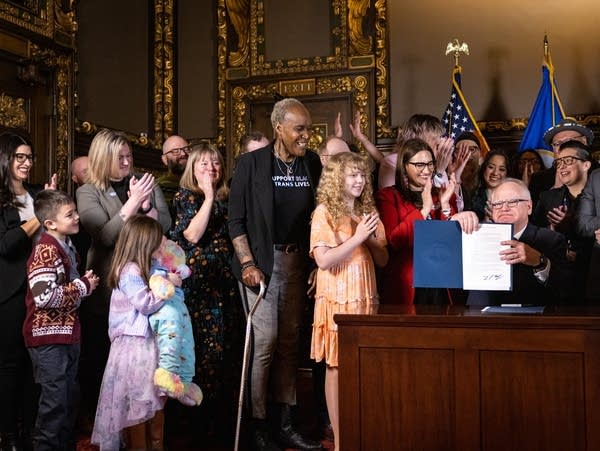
<point x="556" y="210"/>
<point x="538" y="255"/>
<point x="566" y="130"/>
<point x="271" y="201"/>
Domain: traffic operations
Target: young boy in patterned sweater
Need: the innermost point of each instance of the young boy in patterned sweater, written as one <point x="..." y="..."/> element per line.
<point x="51" y="328"/>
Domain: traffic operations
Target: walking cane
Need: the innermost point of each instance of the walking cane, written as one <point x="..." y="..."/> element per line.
<point x="259" y="298"/>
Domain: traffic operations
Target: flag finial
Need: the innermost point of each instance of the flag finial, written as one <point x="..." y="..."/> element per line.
<point x="456" y="49"/>
<point x="546" y="46"/>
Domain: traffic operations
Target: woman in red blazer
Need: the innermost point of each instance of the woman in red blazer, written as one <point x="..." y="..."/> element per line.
<point x="412" y="198"/>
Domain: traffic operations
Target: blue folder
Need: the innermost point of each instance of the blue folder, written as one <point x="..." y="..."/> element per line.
<point x="437" y="254"/>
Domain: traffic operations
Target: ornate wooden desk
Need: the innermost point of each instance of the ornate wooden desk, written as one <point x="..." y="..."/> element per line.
<point x="456" y="379"/>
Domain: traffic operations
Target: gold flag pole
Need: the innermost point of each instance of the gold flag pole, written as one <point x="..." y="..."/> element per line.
<point x="456" y="49"/>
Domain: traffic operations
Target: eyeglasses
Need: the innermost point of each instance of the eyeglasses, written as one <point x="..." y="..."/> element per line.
<point x="512" y="203"/>
<point x="420" y="167"/>
<point x="177" y="151"/>
<point x="21" y="157"/>
<point x="565" y="161"/>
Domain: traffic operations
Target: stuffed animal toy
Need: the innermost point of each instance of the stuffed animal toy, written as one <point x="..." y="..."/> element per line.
<point x="172" y="327"/>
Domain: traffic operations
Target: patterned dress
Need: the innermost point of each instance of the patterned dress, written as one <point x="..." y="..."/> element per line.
<point x="211" y="295"/>
<point x="349" y="287"/>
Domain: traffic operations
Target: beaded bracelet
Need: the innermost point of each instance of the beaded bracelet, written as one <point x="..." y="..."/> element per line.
<point x="247" y="265"/>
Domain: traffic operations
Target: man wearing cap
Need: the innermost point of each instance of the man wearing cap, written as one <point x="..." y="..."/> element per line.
<point x="566" y="130"/>
<point x="556" y="210"/>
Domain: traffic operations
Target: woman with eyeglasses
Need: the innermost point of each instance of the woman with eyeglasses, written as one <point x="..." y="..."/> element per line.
<point x="18" y="227"/>
<point x="493" y="170"/>
<point x="113" y="193"/>
<point x="413" y="198"/>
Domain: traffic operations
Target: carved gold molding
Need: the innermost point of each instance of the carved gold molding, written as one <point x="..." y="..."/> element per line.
<point x="356" y="86"/>
<point x="337" y="59"/>
<point x="12" y="112"/>
<point x="241" y="65"/>
<point x="62" y="65"/>
<point x="36" y="16"/>
<point x="142" y="140"/>
<point x="519" y="124"/>
<point x="382" y="105"/>
<point x="164" y="80"/>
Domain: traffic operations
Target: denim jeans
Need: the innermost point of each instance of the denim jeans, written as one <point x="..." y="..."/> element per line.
<point x="55" y="369"/>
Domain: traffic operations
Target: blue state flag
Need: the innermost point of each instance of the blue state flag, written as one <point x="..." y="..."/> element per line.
<point x="547" y="112"/>
<point x="458" y="117"/>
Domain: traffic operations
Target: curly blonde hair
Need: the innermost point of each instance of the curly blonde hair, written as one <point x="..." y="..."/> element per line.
<point x="331" y="186"/>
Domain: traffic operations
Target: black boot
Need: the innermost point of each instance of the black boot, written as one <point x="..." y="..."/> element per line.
<point x="289" y="436"/>
<point x="261" y="437"/>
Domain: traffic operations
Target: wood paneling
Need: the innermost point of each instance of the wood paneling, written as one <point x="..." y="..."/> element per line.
<point x="460" y="380"/>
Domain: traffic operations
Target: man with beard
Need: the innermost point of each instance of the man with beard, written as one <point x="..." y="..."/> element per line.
<point x="466" y="145"/>
<point x="175" y="152"/>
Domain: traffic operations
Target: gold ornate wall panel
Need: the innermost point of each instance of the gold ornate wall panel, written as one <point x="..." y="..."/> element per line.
<point x="356" y="66"/>
<point x="354" y="90"/>
<point x="37" y="40"/>
<point x="164" y="60"/>
<point x="13" y="113"/>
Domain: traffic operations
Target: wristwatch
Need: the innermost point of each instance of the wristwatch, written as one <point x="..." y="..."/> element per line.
<point x="542" y="264"/>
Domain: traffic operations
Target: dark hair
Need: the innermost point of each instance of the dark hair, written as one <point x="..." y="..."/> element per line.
<point x="486" y="161"/>
<point x="48" y="202"/>
<point x="406" y="151"/>
<point x="517" y="157"/>
<point x="252" y="135"/>
<point x="583" y="151"/>
<point x="9" y="143"/>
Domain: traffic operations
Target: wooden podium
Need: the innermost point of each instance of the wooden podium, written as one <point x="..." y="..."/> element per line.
<point x="453" y="378"/>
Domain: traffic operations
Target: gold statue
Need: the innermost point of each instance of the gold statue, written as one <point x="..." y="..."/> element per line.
<point x="239" y="15"/>
<point x="357" y="9"/>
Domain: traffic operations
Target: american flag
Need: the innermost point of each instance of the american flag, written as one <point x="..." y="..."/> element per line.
<point x="458" y="117"/>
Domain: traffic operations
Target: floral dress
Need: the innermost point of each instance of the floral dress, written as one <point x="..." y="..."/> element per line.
<point x="211" y="295"/>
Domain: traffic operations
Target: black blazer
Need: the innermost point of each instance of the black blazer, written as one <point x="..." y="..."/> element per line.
<point x="251" y="204"/>
<point x="15" y="247"/>
<point x="527" y="289"/>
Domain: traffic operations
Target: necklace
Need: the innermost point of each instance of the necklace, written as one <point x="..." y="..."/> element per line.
<point x="289" y="167"/>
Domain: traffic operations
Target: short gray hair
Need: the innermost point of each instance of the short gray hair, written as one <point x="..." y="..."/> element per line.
<point x="520" y="183"/>
<point x="281" y="108"/>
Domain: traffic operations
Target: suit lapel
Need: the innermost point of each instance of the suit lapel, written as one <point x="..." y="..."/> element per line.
<point x="263" y="183"/>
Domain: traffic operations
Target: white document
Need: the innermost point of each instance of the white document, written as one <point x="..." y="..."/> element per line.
<point x="481" y="264"/>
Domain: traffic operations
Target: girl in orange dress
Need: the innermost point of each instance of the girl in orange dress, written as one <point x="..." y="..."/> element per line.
<point x="346" y="240"/>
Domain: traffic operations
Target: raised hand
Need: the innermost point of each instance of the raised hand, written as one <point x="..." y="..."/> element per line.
<point x="447" y="190"/>
<point x="461" y="157"/>
<point x="427" y="198"/>
<point x="366" y="227"/>
<point x="140" y="190"/>
<point x="206" y="183"/>
<point x="337" y="126"/>
<point x="443" y="153"/>
<point x="52" y="183"/>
